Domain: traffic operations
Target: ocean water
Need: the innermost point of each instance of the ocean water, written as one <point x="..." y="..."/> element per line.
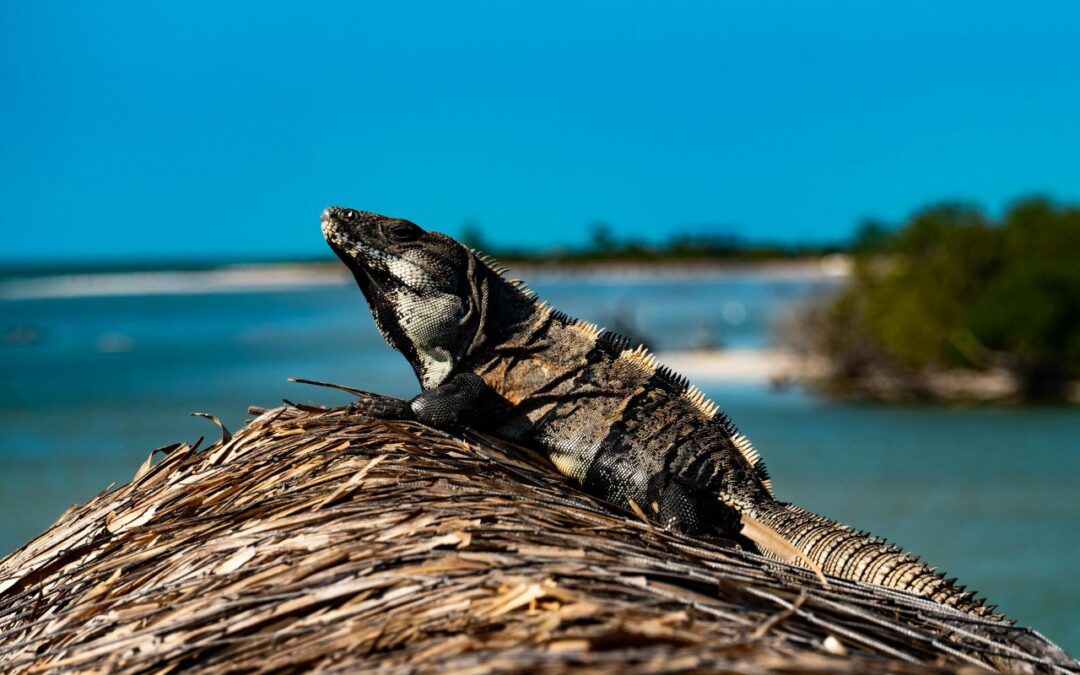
<point x="91" y="382"/>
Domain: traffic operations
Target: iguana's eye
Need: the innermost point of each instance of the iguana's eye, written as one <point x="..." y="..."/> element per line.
<point x="403" y="232"/>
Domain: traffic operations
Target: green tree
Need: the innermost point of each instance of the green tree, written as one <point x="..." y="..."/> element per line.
<point x="950" y="288"/>
<point x="603" y="237"/>
<point x="472" y="235"/>
<point x="872" y="236"/>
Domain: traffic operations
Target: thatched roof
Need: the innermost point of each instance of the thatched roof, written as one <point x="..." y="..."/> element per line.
<point x="315" y="539"/>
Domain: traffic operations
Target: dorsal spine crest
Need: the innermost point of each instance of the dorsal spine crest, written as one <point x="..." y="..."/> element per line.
<point x="615" y="343"/>
<point x="501" y="270"/>
<point x="589" y="328"/>
<point x="677" y="382"/>
<point x="619" y="346"/>
<point x="640" y="355"/>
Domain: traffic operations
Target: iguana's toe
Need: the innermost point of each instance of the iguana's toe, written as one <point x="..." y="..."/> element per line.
<point x="381" y="407"/>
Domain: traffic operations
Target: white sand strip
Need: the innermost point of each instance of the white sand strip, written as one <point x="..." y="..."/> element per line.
<point x="741" y="365"/>
<point x="225" y="280"/>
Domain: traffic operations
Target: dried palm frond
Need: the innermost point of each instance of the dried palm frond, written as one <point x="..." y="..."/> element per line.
<point x="317" y="539"/>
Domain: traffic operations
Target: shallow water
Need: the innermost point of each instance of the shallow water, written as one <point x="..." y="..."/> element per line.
<point x="90" y="385"/>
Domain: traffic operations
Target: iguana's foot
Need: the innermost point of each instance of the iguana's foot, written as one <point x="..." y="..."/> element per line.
<point x="685" y="508"/>
<point x="451" y="404"/>
<point x="380" y="407"/>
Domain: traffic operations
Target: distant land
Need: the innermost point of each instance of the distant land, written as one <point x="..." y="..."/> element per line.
<point x="604" y="247"/>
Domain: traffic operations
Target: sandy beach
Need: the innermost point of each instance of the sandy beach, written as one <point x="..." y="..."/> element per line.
<point x="299" y="276"/>
<point x="251" y="278"/>
<point x="741" y="365"/>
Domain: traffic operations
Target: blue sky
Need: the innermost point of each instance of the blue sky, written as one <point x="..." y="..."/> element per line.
<point x="186" y="130"/>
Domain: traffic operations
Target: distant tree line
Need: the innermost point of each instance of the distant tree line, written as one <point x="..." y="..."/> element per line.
<point x="604" y="246"/>
<point x="951" y="288"/>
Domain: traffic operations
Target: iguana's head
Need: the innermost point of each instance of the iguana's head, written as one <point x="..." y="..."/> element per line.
<point x="417" y="283"/>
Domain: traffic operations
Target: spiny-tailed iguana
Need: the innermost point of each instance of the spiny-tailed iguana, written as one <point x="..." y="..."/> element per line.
<point x="607" y="414"/>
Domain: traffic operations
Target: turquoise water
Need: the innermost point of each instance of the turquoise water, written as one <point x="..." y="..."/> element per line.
<point x="88" y="386"/>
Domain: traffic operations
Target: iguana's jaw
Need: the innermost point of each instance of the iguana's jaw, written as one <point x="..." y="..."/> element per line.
<point x="358" y="256"/>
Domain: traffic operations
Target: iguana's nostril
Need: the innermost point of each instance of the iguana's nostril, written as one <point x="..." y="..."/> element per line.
<point x="338" y="213"/>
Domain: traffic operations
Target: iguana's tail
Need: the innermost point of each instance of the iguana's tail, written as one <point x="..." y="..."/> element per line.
<point x="791" y="534"/>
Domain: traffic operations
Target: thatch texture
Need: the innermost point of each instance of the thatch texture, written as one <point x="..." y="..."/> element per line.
<point x="316" y="539"/>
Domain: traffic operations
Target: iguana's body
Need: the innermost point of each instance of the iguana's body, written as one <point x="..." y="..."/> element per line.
<point x="608" y="415"/>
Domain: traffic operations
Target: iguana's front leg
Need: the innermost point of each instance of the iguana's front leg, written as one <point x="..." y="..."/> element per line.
<point x="463" y="398"/>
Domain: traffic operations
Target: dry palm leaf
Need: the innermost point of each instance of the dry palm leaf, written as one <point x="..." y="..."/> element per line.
<point x="319" y="539"/>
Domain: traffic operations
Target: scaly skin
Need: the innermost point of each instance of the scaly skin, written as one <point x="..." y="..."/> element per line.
<point x="609" y="416"/>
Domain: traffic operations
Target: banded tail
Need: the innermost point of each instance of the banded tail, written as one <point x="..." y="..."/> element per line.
<point x="830" y="547"/>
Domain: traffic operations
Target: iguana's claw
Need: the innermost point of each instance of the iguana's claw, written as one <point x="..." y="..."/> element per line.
<point x="381" y="407"/>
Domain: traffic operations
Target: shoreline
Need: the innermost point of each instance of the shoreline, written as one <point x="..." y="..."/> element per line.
<point x="276" y="277"/>
<point x="747" y="366"/>
<point x="777" y="367"/>
<point x="834" y="265"/>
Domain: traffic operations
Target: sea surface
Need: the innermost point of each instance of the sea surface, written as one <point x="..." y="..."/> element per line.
<point x="97" y="371"/>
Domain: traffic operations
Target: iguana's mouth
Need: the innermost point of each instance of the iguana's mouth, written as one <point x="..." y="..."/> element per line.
<point x="368" y="284"/>
<point x="355" y="255"/>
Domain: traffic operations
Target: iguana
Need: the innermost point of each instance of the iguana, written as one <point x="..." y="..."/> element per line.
<point x="488" y="354"/>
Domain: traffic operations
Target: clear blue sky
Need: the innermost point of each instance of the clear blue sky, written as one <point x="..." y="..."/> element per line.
<point x="189" y="129"/>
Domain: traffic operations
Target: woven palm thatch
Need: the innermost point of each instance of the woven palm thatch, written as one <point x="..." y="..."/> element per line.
<point x="316" y="539"/>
